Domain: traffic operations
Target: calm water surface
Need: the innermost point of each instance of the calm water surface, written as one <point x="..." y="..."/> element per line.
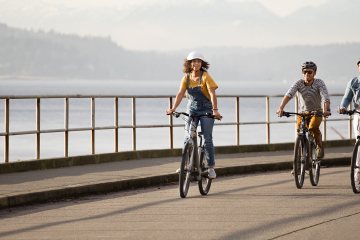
<point x="148" y="112"/>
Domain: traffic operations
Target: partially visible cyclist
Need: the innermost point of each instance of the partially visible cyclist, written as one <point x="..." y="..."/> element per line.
<point x="313" y="96"/>
<point x="352" y="94"/>
<point x="200" y="88"/>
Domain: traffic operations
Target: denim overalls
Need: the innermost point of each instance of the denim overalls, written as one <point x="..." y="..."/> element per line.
<point x="199" y="104"/>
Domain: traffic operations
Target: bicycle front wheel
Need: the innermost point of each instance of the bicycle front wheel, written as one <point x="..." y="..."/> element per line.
<point x="205" y="182"/>
<point x="314" y="164"/>
<point x="354" y="173"/>
<point x="185" y="169"/>
<point x="299" y="162"/>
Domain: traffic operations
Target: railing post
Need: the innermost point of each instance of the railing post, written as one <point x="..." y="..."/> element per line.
<point x="92" y="125"/>
<point x="38" y="128"/>
<point x="324" y="129"/>
<point x="116" y="124"/>
<point x="66" y="127"/>
<point x="171" y="125"/>
<point x="6" y="128"/>
<point x="350" y="124"/>
<point x="237" y="120"/>
<point x="267" y="119"/>
<point x="134" y="122"/>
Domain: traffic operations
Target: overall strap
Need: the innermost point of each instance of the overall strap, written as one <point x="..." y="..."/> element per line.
<point x="201" y="75"/>
<point x="188" y="79"/>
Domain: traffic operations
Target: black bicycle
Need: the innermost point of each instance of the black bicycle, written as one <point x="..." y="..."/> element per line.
<point x="305" y="157"/>
<point x="354" y="172"/>
<point x="193" y="165"/>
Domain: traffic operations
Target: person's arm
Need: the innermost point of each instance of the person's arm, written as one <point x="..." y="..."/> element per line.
<point x="348" y="96"/>
<point x="211" y="88"/>
<point x="178" y="99"/>
<point x="213" y="99"/>
<point x="325" y="98"/>
<point x="326" y="110"/>
<point x="288" y="96"/>
<point x="283" y="103"/>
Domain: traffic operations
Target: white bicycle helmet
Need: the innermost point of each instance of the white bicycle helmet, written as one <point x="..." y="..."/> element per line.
<point x="195" y="55"/>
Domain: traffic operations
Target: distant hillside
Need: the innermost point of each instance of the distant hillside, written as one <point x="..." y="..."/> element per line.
<point x="55" y="55"/>
<point x="50" y="54"/>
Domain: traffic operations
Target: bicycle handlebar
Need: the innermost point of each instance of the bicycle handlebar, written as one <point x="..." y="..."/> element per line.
<point x="177" y="114"/>
<point x="349" y="112"/>
<point x="303" y="114"/>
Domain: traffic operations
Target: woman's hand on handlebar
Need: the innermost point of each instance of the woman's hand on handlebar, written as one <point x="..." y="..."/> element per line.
<point x="170" y="111"/>
<point x="217" y="115"/>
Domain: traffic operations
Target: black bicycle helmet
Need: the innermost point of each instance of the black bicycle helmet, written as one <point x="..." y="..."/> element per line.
<point x="309" y="65"/>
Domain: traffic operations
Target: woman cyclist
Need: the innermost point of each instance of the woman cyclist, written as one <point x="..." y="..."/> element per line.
<point x="200" y="88"/>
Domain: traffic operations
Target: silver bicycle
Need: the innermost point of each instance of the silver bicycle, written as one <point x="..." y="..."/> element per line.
<point x="193" y="165"/>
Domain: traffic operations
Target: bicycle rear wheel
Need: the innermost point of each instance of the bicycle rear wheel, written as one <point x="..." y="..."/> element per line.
<point x="314" y="164"/>
<point x="185" y="169"/>
<point x="205" y="182"/>
<point x="354" y="173"/>
<point x="299" y="161"/>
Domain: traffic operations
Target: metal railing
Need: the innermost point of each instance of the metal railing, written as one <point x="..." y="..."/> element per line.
<point x="38" y="131"/>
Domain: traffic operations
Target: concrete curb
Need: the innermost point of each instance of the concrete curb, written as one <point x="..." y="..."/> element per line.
<point x="107" y="187"/>
<point x="51" y="163"/>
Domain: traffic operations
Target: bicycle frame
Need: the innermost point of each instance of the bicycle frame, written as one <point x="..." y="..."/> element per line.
<point x="304" y="131"/>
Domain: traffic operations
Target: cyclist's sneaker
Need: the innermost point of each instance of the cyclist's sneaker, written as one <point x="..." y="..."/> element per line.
<point x="212" y="173"/>
<point x="320" y="152"/>
<point x="292" y="172"/>
<point x="177" y="170"/>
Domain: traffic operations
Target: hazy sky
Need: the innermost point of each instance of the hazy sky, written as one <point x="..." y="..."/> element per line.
<point x="167" y="25"/>
<point x="279" y="7"/>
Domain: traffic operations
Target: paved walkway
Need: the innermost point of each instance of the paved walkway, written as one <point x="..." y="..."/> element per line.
<point x="45" y="185"/>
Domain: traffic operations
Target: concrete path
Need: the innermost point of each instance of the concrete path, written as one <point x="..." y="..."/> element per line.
<point x="53" y="184"/>
<point x="250" y="206"/>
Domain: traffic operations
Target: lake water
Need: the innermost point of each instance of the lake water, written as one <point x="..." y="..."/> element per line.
<point x="148" y="112"/>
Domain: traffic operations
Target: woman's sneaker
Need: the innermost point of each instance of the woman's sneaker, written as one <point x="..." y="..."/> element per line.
<point x="212" y="173"/>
